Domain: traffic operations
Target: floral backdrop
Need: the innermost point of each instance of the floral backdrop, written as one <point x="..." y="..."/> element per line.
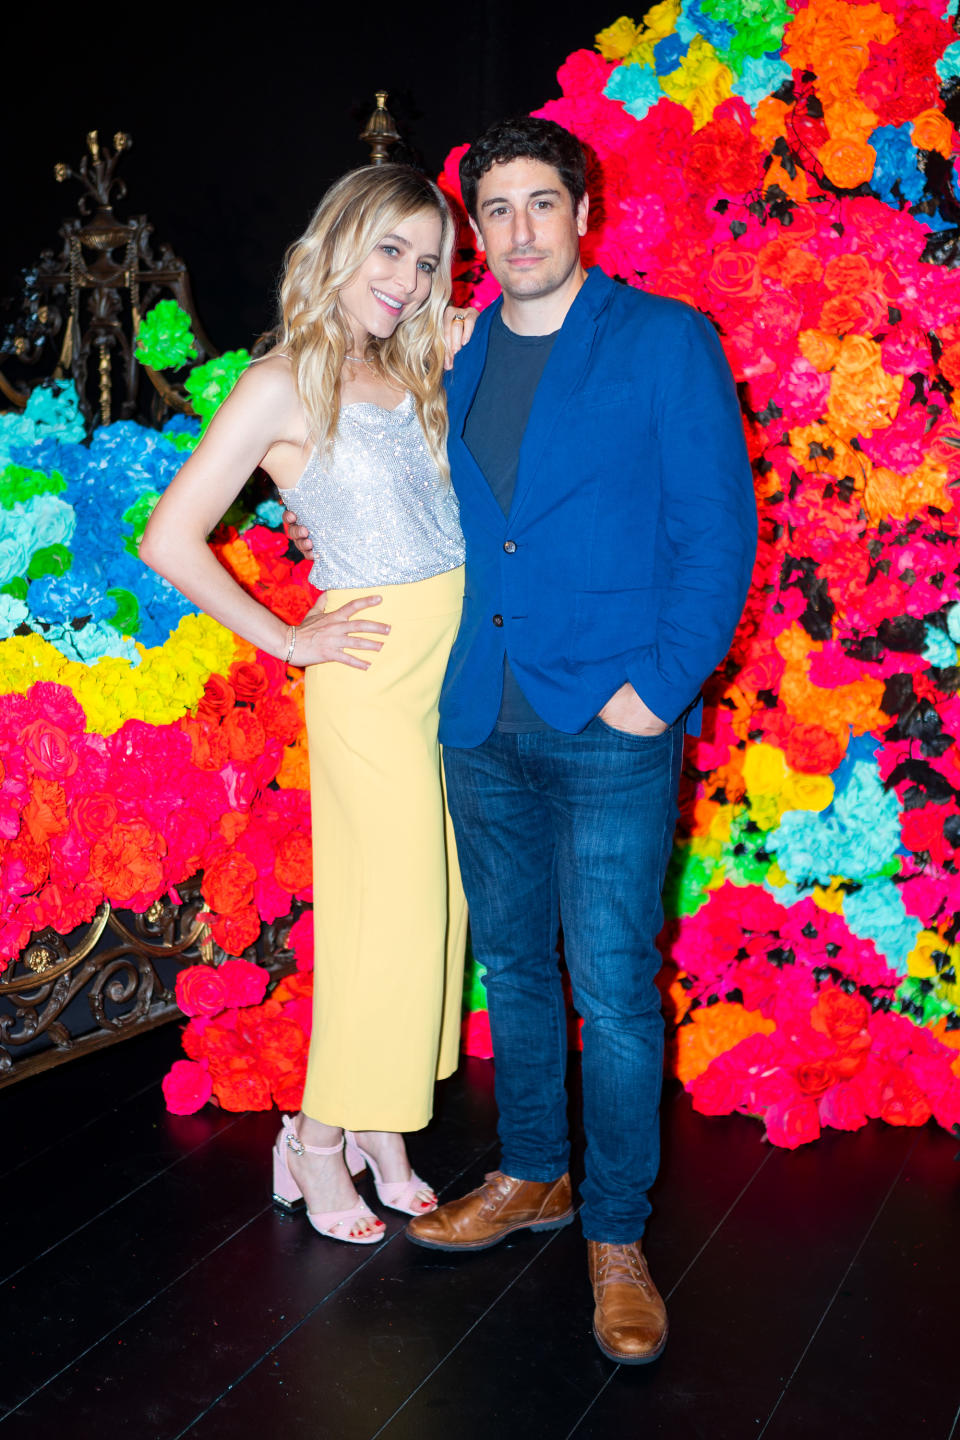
<point x="789" y="169"/>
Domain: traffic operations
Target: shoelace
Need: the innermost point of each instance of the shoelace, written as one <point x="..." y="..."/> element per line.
<point x="499" y="1184"/>
<point x="621" y="1263"/>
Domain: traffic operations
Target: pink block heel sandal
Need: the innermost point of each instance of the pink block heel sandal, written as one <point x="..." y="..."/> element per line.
<point x="287" y="1193"/>
<point x="395" y="1194"/>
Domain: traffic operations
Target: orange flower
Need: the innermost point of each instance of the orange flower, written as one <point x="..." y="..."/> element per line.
<point x="46" y="812"/>
<point x="888" y="495"/>
<point x="848" y="162"/>
<point x="244" y="736"/>
<point x="293" y="863"/>
<point x="790" y="264"/>
<point x="770" y="122"/>
<point x="294" y="772"/>
<point x="820" y="347"/>
<point x="128" y="861"/>
<point x="240" y="561"/>
<point x="228" y="882"/>
<point x="208" y="745"/>
<point x="712" y="1030"/>
<point x="794" y="185"/>
<point x="235" y="932"/>
<point x="933" y="131"/>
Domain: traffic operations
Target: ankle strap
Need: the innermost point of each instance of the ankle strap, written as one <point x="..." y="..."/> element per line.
<point x="295" y="1144"/>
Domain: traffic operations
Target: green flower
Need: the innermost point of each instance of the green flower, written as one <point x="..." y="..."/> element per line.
<point x="49" y="560"/>
<point x="209" y="385"/>
<point x="18" y="483"/>
<point x="165" y="340"/>
<point x="126" y="620"/>
<point x="137" y="515"/>
<point x="759" y="26"/>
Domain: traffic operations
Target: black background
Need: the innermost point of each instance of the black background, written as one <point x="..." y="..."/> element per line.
<point x="240" y="120"/>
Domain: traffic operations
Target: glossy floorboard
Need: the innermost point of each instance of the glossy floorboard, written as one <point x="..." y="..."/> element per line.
<point x="150" y="1289"/>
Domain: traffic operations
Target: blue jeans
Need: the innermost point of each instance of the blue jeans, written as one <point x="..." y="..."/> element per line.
<point x="574" y="827"/>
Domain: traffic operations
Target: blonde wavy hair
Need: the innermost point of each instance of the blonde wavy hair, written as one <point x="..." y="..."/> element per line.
<point x="350" y="221"/>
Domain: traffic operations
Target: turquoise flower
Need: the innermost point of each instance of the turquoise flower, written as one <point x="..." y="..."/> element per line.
<point x="875" y="912"/>
<point x="854" y="837"/>
<point x="636" y="87"/>
<point x="938" y="648"/>
<point x="759" y="77"/>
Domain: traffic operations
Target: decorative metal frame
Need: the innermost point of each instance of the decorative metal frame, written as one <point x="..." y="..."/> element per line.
<point x="91" y="296"/>
<point x="123" y="987"/>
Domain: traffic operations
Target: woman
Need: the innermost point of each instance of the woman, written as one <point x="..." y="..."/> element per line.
<point x="347" y="416"/>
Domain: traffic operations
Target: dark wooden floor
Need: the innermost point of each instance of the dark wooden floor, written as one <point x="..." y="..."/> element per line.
<point x="151" y="1290"/>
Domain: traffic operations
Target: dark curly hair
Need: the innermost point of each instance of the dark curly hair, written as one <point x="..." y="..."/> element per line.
<point x="525" y="137"/>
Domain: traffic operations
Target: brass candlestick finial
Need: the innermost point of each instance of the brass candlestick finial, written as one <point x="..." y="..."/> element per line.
<point x="381" y="131"/>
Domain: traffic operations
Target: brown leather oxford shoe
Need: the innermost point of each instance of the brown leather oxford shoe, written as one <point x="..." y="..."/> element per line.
<point x="630" y="1321"/>
<point x="497" y="1208"/>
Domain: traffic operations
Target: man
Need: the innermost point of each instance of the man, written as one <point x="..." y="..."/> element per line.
<point x="597" y="452"/>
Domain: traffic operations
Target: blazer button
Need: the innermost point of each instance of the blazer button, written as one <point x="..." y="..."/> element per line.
<point x="498" y="619"/>
<point x="509" y="546"/>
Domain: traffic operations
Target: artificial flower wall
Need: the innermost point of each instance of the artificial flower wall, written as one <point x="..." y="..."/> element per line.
<point x="789" y="170"/>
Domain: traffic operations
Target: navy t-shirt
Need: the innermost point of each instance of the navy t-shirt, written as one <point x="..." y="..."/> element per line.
<point x="493" y="434"/>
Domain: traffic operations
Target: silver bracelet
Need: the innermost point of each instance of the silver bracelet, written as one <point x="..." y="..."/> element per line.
<point x="293" y="640"/>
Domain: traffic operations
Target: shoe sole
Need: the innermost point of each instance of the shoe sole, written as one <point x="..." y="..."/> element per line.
<point x="619" y="1359"/>
<point x="557" y="1224"/>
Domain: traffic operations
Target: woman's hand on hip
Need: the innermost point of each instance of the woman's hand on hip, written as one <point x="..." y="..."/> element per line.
<point x="323" y="635"/>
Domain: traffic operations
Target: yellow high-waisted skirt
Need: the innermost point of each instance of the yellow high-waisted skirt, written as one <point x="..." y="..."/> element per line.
<point x="389" y="913"/>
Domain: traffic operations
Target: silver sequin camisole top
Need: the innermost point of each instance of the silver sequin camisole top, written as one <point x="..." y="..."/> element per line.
<point x="375" y="506"/>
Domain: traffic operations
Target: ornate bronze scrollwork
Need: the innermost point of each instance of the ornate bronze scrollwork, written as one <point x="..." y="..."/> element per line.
<point x="120" y="988"/>
<point x="88" y="300"/>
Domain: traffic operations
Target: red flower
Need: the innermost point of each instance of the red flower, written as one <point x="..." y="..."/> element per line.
<point x="186" y="1087"/>
<point x="792" y="1122"/>
<point x="244" y="982"/>
<point x="901" y="1102"/>
<point x="228" y="882"/>
<point x="249" y="680"/>
<point x="293" y="865"/>
<point x="218" y="698"/>
<point x="48" y="750"/>
<point x="841" y="1108"/>
<point x="476" y="1035"/>
<point x="236" y="932"/>
<point x="244" y="735"/>
<point x="815" y="1077"/>
<point x="201" y="991"/>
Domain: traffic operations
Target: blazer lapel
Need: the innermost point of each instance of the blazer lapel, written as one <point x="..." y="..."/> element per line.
<point x="469" y="480"/>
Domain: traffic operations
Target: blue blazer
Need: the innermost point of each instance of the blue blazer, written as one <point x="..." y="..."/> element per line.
<point x="630" y="543"/>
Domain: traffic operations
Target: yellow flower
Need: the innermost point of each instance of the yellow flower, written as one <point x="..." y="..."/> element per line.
<point x="618" y="39"/>
<point x="829" y="898"/>
<point x="807" y="792"/>
<point x="764" y="769"/>
<point x="920" y="961"/>
<point x="660" y="21"/>
<point x="701" y="83"/>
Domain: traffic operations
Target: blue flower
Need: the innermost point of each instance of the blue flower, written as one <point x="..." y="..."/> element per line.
<point x="896" y="164"/>
<point x="56" y="598"/>
<point x="692" y="21"/>
<point x="668" y="52"/>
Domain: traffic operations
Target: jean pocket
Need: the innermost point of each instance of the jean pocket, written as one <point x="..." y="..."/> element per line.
<point x="631" y="736"/>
